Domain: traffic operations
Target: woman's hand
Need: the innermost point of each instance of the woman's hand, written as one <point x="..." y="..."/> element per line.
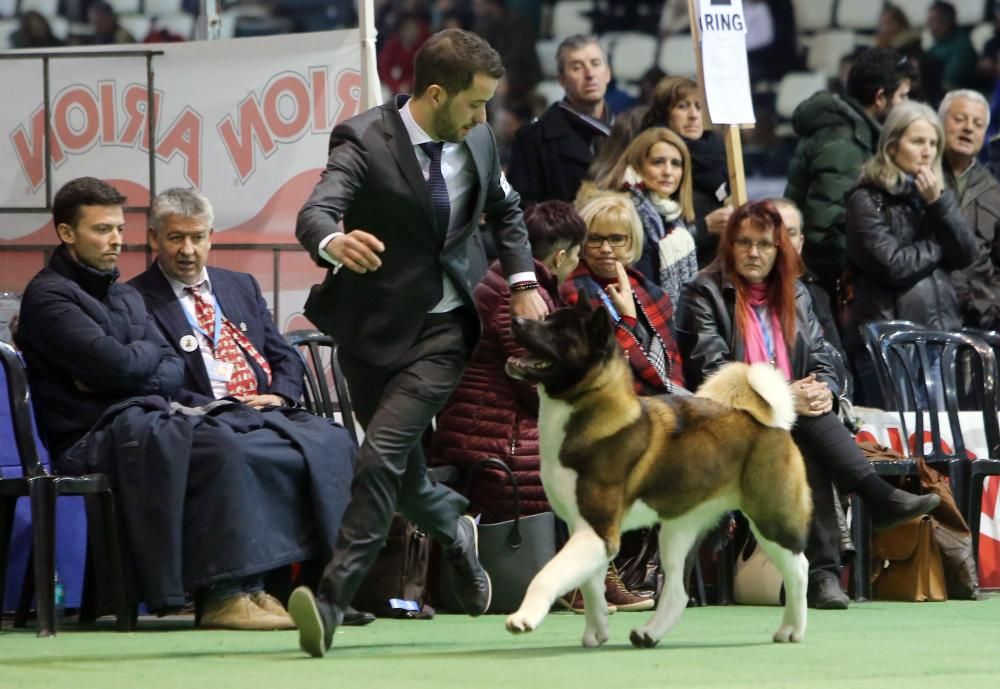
<point x="928" y="185"/>
<point x="812" y="397"/>
<point x="621" y="293"/>
<point x="717" y="220"/>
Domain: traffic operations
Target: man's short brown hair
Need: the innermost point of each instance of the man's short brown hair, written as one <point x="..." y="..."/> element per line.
<point x="451" y="58"/>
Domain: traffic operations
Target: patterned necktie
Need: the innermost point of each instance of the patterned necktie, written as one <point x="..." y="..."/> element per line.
<point x="439" y="190"/>
<point x="243" y="381"/>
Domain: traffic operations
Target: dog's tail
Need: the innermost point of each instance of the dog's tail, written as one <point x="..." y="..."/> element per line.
<point x="757" y="389"/>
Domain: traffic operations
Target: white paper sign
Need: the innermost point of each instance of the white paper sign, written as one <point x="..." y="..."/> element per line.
<point x="722" y="25"/>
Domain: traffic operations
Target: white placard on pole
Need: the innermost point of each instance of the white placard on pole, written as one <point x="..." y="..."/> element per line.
<point x="722" y="28"/>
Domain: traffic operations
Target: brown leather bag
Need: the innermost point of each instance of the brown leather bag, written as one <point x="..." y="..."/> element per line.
<point x="908" y="563"/>
<point x="396" y="584"/>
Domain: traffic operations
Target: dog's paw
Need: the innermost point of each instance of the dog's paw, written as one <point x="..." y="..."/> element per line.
<point x="788" y="634"/>
<point x="640" y="638"/>
<point x="594" y="638"/>
<point x="518" y="623"/>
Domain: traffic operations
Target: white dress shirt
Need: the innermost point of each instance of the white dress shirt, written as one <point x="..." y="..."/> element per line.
<point x="459" y="172"/>
<point x="219" y="387"/>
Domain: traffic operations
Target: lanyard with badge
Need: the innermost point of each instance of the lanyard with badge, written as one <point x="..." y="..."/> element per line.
<point x="218" y="371"/>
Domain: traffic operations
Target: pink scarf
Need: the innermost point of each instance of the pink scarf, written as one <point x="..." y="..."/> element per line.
<point x="754" y="341"/>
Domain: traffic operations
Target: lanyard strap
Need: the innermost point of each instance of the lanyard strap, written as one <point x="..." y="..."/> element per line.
<point x="193" y="321"/>
<point x="766" y="330"/>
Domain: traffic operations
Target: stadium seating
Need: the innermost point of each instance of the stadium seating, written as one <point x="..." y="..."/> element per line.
<point x="571" y="17"/>
<point x="677" y="56"/>
<point x="859" y="15"/>
<point x="813" y="15"/>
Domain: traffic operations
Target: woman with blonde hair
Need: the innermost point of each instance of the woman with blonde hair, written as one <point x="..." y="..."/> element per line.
<point x="655" y="171"/>
<point x="905" y="234"/>
<point x="676" y="104"/>
<point x="643" y="313"/>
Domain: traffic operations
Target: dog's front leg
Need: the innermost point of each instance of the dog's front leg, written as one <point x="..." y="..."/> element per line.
<point x="595" y="633"/>
<point x="583" y="557"/>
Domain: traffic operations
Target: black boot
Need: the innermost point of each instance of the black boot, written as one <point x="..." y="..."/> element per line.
<point x="469" y="582"/>
<point x="901" y="507"/>
<point x="825" y="592"/>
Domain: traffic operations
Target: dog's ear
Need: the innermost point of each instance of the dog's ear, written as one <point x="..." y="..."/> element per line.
<point x="583" y="301"/>
<point x="600" y="330"/>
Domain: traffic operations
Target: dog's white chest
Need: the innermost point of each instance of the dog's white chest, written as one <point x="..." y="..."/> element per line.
<point x="559" y="482"/>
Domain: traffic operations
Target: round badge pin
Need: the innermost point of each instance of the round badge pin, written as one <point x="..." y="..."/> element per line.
<point x="189" y="343"/>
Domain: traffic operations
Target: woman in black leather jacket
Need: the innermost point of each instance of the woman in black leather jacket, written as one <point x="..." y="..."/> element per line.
<point x="749" y="306"/>
<point x="905" y="234"/>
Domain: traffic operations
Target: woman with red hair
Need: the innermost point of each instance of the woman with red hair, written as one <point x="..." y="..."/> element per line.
<point x="749" y="306"/>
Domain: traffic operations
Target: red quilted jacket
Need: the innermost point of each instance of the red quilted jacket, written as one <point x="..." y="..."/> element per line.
<point x="492" y="415"/>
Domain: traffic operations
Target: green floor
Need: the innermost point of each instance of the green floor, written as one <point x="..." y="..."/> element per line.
<point x="894" y="645"/>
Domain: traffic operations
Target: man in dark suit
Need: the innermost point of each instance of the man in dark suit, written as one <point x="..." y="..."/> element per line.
<point x="550" y="156"/>
<point x="181" y="235"/>
<point x="261" y="369"/>
<point x="409" y="180"/>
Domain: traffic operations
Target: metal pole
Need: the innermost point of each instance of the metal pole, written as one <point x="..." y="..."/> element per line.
<point x="276" y="269"/>
<point x="46" y="135"/>
<point x="209" y="26"/>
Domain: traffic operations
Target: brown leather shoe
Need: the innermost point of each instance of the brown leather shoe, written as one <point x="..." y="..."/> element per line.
<point x="573" y="601"/>
<point x="268" y="603"/>
<point x="618" y="595"/>
<point x="240" y="612"/>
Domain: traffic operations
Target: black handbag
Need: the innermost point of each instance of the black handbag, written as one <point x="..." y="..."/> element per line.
<point x="512" y="552"/>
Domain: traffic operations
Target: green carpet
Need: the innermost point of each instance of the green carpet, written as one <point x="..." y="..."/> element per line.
<point x="950" y="645"/>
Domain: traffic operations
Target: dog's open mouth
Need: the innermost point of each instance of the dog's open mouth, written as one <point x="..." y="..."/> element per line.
<point x="526" y="366"/>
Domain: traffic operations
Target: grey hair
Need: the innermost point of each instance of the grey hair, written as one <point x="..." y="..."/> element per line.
<point x="187" y="203"/>
<point x="575" y="43"/>
<point x="974" y="96"/>
<point x="881" y="170"/>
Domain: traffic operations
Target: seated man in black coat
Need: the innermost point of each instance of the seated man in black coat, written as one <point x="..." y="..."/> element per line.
<point x="210" y="498"/>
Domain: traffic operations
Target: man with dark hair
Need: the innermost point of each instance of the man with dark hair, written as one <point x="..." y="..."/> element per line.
<point x="550" y="156"/>
<point x="950" y="62"/>
<point x="194" y="486"/>
<point x="409" y="180"/>
<point x="838" y="134"/>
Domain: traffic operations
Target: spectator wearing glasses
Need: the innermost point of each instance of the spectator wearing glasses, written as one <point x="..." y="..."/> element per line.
<point x="749" y="306"/>
<point x="655" y="171"/>
<point x="642" y="312"/>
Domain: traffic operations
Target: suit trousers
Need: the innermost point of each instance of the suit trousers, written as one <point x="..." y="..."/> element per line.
<point x="831" y="458"/>
<point x="395" y="405"/>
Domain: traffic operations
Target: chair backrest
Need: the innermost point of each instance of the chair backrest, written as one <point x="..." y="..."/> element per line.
<point x="633" y="54"/>
<point x="860" y="15"/>
<point x="571" y="17"/>
<point x="677" y="56"/>
<point x="318" y="351"/>
<point x="18" y="402"/>
<point x="813" y="15"/>
<point x="794" y="88"/>
<point x="871" y="333"/>
<point x="915" y="10"/>
<point x="826" y="50"/>
<point x="929" y="362"/>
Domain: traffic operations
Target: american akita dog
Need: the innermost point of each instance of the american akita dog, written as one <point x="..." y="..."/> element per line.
<point x="613" y="461"/>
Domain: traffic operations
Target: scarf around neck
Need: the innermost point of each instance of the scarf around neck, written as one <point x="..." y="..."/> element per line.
<point x="764" y="341"/>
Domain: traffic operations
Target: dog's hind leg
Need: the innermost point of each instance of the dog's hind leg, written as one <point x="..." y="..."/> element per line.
<point x="794" y="569"/>
<point x="584" y="556"/>
<point x="595" y="610"/>
<point x="677" y="537"/>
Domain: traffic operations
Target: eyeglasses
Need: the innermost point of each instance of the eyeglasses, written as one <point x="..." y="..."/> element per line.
<point x="764" y="246"/>
<point x="595" y="241"/>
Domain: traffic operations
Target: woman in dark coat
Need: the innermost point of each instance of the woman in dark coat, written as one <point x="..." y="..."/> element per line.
<point x="677" y="105"/>
<point x="749" y="306"/>
<point x="905" y="234"/>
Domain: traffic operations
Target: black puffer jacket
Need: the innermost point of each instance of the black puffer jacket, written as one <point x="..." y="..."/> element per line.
<point x="706" y="334"/>
<point x="89" y="344"/>
<point x="901" y="252"/>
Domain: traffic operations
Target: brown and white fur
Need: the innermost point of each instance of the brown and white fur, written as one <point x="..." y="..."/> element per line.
<point x="612" y="462"/>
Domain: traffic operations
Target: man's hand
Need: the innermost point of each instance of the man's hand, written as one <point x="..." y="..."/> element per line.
<point x="716" y="221"/>
<point x="357" y="250"/>
<point x="261" y="401"/>
<point x="812" y="397"/>
<point x="528" y="304"/>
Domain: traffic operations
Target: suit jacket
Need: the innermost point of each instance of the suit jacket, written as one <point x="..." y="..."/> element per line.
<point x="239" y="296"/>
<point x="373" y="182"/>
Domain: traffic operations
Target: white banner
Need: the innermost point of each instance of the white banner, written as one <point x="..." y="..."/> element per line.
<point x="246" y="121"/>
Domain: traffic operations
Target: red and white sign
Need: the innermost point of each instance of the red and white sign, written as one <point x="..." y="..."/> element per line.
<point x="884" y="428"/>
<point x="246" y="121"/>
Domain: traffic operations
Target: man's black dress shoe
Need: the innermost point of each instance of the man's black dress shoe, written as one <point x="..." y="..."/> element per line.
<point x="469" y="581"/>
<point x="315" y="621"/>
<point x="901" y="507"/>
<point x="356" y="618"/>
<point x="825" y="593"/>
